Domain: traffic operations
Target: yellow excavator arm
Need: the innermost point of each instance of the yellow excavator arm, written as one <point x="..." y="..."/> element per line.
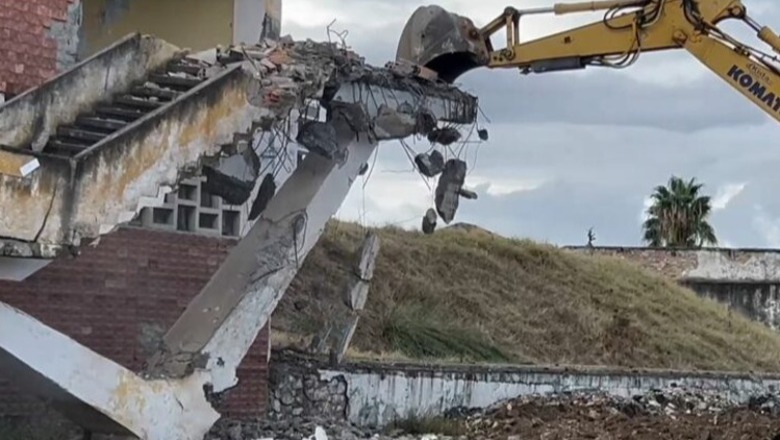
<point x="451" y="45"/>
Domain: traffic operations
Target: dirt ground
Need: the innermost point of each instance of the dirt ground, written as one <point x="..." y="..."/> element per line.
<point x="602" y="419"/>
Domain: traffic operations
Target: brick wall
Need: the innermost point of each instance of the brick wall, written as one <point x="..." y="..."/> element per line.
<point x="36" y="38"/>
<point x="113" y="295"/>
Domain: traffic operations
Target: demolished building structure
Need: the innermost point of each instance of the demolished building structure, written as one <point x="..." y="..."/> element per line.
<point x="93" y="158"/>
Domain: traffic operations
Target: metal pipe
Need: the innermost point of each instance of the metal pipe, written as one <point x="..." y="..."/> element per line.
<point x="567" y="8"/>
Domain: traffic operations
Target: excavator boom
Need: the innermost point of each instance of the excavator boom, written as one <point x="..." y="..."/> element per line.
<point x="452" y="45"/>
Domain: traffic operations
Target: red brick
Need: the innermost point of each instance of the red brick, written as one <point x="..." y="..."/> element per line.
<point x="103" y="297"/>
<point x="23" y="30"/>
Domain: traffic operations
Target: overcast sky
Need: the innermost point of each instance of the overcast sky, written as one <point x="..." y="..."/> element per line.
<point x="574" y="150"/>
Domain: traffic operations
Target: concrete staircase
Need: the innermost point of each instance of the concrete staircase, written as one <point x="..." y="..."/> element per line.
<point x="106" y="119"/>
<point x="113" y="135"/>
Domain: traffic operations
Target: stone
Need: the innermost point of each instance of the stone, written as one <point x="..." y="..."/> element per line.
<point x="449" y="188"/>
<point x="287" y="398"/>
<point x="318" y="137"/>
<point x="444" y="136"/>
<point x="429" y="221"/>
<point x="430" y="164"/>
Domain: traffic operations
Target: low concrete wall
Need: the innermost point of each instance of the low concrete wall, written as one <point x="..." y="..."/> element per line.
<point x="371" y="395"/>
<point x="745" y="280"/>
<point x="713" y="264"/>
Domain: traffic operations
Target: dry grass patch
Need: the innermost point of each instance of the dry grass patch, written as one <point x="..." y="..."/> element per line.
<point x="474" y="296"/>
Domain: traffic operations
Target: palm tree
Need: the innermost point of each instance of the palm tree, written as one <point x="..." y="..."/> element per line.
<point x="678" y="216"/>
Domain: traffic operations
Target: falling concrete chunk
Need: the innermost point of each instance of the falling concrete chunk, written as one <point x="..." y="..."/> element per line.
<point x="483" y="134"/>
<point x="232" y="189"/>
<point x="444" y="136"/>
<point x="467" y="194"/>
<point x="264" y="194"/>
<point x="430" y="165"/>
<point x="320" y="138"/>
<point x="368" y="253"/>
<point x="449" y="188"/>
<point x="357" y="292"/>
<point x="429" y="221"/>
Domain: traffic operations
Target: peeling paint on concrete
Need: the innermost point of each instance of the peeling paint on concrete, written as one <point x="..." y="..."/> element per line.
<point x="66" y="35"/>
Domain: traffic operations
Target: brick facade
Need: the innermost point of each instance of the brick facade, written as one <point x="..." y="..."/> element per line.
<point x="29" y="53"/>
<point x="112" y="295"/>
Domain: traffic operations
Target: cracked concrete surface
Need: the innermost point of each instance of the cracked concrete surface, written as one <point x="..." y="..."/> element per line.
<point x="254" y="89"/>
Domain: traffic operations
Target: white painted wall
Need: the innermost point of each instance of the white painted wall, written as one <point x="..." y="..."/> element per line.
<point x="377" y="397"/>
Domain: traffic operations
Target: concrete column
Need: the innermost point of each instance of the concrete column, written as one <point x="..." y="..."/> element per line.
<point x="220" y="324"/>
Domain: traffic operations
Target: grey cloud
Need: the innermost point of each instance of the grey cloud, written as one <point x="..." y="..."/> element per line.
<point x="603" y="184"/>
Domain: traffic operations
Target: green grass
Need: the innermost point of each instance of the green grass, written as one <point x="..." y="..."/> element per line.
<point x="471" y="295"/>
<point x="418" y="333"/>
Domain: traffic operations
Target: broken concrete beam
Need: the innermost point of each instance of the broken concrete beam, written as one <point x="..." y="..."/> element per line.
<point x="444" y="103"/>
<point x="357" y="293"/>
<point x="356" y="290"/>
<point x="345" y="337"/>
<point x="220" y="324"/>
<point x="368" y="253"/>
<point x="95" y="392"/>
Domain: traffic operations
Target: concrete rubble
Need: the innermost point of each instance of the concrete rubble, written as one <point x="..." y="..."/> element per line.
<point x="677" y="412"/>
<point x="245" y="92"/>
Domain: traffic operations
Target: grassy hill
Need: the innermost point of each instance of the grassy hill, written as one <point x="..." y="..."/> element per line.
<point x="466" y="294"/>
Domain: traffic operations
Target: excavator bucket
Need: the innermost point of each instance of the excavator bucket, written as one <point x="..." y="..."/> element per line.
<point x="444" y="42"/>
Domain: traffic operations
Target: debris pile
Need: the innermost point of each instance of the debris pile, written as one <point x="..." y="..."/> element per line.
<point x="674" y="413"/>
<point x="670" y="414"/>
